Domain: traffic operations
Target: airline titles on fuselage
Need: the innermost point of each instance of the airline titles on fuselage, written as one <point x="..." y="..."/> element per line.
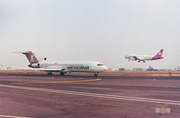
<point x="78" y="67"/>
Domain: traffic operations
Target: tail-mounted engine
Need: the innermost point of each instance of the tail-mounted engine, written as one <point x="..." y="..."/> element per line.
<point x="35" y="65"/>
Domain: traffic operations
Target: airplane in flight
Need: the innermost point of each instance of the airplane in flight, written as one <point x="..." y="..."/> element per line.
<point x="64" y="66"/>
<point x="139" y="58"/>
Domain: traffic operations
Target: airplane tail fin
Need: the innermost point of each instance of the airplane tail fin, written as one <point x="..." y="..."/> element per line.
<point x="30" y="56"/>
<point x="158" y="55"/>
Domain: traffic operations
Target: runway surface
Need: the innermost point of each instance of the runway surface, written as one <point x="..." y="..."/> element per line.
<point x="29" y="95"/>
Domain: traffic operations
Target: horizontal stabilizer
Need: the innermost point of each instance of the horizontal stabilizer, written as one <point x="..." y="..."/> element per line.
<point x="30" y="56"/>
<point x="27" y="52"/>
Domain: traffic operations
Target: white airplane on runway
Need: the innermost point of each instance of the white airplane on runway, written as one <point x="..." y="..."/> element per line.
<point x="139" y="58"/>
<point x="64" y="66"/>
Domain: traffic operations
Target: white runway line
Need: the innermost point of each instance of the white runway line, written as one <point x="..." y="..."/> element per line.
<point x="6" y="116"/>
<point x="93" y="88"/>
<point x="107" y="96"/>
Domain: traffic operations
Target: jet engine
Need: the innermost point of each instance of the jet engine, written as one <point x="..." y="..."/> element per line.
<point x="35" y="65"/>
<point x="132" y="59"/>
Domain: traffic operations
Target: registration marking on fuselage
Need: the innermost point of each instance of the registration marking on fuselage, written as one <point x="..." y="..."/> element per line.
<point x="96" y="95"/>
<point x="57" y="82"/>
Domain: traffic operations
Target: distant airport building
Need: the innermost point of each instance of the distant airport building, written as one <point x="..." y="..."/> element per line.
<point x="138" y="69"/>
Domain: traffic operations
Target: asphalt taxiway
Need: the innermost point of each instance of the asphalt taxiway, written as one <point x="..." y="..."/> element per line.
<point x="36" y="95"/>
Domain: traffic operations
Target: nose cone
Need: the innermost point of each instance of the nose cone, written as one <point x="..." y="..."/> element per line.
<point x="105" y="68"/>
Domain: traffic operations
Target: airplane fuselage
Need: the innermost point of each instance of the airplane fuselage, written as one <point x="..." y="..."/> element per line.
<point x="76" y="66"/>
<point x="70" y="66"/>
<point x="140" y="57"/>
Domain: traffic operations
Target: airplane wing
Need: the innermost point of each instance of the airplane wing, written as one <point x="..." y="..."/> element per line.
<point x="52" y="69"/>
<point x="137" y="58"/>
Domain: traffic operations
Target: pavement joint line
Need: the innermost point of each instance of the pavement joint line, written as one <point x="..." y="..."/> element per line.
<point x="86" y="94"/>
<point x="57" y="82"/>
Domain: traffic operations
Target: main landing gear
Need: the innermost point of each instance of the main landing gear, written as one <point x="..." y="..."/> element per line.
<point x="143" y="61"/>
<point x="96" y="74"/>
<point x="49" y="73"/>
<point x="61" y="73"/>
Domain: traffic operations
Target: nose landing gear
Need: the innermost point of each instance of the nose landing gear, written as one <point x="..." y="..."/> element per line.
<point x="95" y="74"/>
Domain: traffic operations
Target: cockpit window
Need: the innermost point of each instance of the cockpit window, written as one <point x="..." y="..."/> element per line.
<point x="99" y="64"/>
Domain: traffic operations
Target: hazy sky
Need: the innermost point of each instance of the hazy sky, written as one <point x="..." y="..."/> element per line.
<point x="97" y="30"/>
